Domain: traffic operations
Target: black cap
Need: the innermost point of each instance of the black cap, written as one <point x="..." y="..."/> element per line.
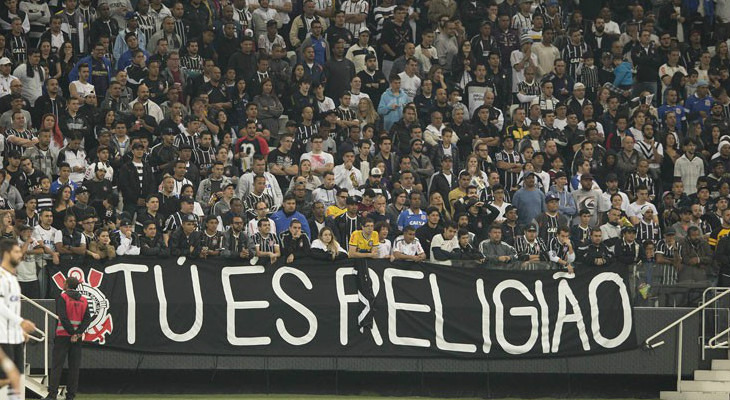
<point x="189" y="218"/>
<point x="82" y="189"/>
<point x="187" y="199"/>
<point x="137" y="146"/>
<point x="611" y="177"/>
<point x="350" y="201"/>
<point x="184" y="146"/>
<point x="628" y="229"/>
<point x="125" y="222"/>
<point x="531" y="228"/>
<point x="510" y="208"/>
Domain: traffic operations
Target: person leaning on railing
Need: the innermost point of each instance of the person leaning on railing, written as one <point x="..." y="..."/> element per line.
<point x="496" y="252"/>
<point x="697" y="259"/>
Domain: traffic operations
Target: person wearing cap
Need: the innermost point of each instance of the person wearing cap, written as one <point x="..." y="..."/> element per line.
<point x="559" y="189"/>
<point x="81" y="208"/>
<point x="530" y="248"/>
<point x="668" y="257"/>
<point x="121" y="42"/>
<point x="522" y="58"/>
<point x="700" y="103"/>
<point x="186" y="240"/>
<point x="551" y="219"/>
<point x="587" y="197"/>
<point x="6" y="68"/>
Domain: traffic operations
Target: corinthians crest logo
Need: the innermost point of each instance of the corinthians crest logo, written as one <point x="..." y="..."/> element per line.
<point x="101" y="321"/>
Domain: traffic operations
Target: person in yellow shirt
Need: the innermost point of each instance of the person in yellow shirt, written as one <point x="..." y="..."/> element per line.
<point x="340" y="206"/>
<point x="364" y="243"/>
<point x="460" y="191"/>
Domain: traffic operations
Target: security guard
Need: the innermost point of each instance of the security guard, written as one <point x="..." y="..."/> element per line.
<point x="73" y="319"/>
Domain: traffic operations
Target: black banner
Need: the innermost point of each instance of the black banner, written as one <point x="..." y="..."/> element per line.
<point x="214" y="307"/>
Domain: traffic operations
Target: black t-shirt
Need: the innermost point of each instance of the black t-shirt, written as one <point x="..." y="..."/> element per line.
<point x="285" y="160"/>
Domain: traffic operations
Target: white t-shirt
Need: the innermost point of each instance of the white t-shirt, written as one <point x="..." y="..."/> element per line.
<point x="10" y="319"/>
<point x="634" y="209"/>
<point x="46" y="237"/>
<point x="410" y="249"/>
<point x="26" y="271"/>
<point x="318" y="160"/>
<point x="409" y="85"/>
<point x="445" y="245"/>
<point x="83" y="89"/>
<point x="385" y="250"/>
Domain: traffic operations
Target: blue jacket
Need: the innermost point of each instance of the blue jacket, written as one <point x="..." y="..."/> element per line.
<point x="126" y="59"/>
<point x="530" y="204"/>
<point x="282" y="221"/>
<point x="695" y="105"/>
<point x="74" y="74"/>
<point x="623" y="75"/>
<point x="390" y="115"/>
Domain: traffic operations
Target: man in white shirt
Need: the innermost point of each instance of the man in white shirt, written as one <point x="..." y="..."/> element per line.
<point x="409" y="81"/>
<point x="346" y="175"/>
<point x="320" y="160"/>
<point x="12" y="325"/>
<point x="444" y="243"/>
<point x="151" y="108"/>
<point x="245" y="183"/>
<point x="5" y="78"/>
<point x="407" y="247"/>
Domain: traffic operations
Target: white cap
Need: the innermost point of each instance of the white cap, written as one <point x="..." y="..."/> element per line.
<point x="376" y="171"/>
<point x="579" y="86"/>
<point x="5" y="60"/>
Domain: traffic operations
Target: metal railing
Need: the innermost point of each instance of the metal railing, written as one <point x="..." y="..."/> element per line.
<point x="43" y="333"/>
<point x="648" y="343"/>
<point x="716" y="321"/>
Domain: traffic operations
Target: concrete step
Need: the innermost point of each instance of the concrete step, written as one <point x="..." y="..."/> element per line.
<point x="694" y="396"/>
<point x="718" y="375"/>
<point x="706" y="386"/>
<point x="721" y="365"/>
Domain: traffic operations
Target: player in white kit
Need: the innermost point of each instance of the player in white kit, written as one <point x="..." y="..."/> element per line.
<point x="13" y="328"/>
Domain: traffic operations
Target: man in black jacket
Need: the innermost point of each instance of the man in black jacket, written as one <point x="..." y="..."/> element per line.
<point x="185" y="240"/>
<point x="444" y="181"/>
<point x="647" y="63"/>
<point x="294" y="243"/>
<point x="627" y="251"/>
<point x="595" y="253"/>
<point x="136" y="181"/>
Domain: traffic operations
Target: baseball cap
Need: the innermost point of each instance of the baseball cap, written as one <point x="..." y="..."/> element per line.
<point x="628" y="229"/>
<point x="82" y="189"/>
<point x="137" y="146"/>
<point x="531" y="228"/>
<point x="5" y="61"/>
<point x="510" y="208"/>
<point x="184" y="146"/>
<point x="586" y="176"/>
<point x="350" y="201"/>
<point x="125" y="222"/>
<point x="670" y="231"/>
<point x="187" y="199"/>
<point x="611" y="177"/>
<point x="702" y="82"/>
<point x="579" y="86"/>
<point x="376" y="171"/>
<point x="130" y="15"/>
<point x="363" y="30"/>
<point x="551" y="197"/>
<point x="189" y="218"/>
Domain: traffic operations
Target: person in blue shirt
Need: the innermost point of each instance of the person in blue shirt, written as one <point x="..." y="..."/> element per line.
<point x="529" y="200"/>
<point x="413" y="215"/>
<point x="671" y="104"/>
<point x="392" y="103"/>
<point x="624" y="78"/>
<point x="283" y="218"/>
<point x="700" y="103"/>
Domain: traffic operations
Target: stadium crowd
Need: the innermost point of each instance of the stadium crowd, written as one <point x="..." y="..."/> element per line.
<point x="510" y="133"/>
